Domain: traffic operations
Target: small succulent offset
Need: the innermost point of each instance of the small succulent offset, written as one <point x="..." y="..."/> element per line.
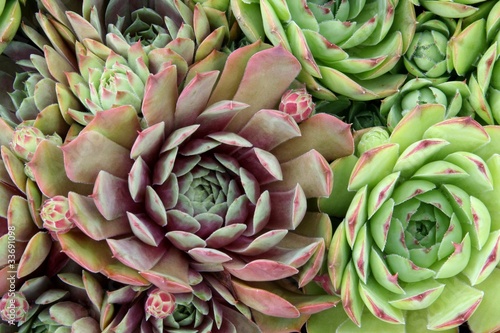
<point x="159" y="304"/>
<point x="443" y="47"/>
<point x="420" y="240"/>
<point x="453" y="95"/>
<point x="13" y="307"/>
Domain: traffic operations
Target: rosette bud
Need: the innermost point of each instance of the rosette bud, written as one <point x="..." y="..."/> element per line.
<point x="298" y="103"/>
<point x="27" y="138"/>
<point x="374" y="137"/>
<point x="13" y="307"/>
<point x="159" y="304"/>
<point x="54" y="213"/>
<point x="25" y="141"/>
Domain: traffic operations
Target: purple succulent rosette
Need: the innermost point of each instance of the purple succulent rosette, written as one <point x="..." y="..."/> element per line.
<point x="210" y="187"/>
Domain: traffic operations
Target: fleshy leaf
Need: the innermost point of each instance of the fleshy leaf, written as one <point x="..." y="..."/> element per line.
<point x="373" y="166"/>
<point x="356" y="215"/>
<point x="456" y="304"/>
<point x="48" y="168"/>
<point x="35" y="253"/>
<point x="264" y="301"/>
<point x="338" y="256"/>
<point x="418" y="295"/>
<point x="92" y="152"/>
<point x="484" y="319"/>
<point x="256" y="81"/>
<point x="375" y="299"/>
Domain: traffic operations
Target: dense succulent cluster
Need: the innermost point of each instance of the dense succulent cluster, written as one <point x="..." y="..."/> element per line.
<point x="249" y="166"/>
<point x="354" y="42"/>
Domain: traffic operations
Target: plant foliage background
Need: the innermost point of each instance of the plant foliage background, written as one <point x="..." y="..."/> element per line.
<point x="249" y="166"/>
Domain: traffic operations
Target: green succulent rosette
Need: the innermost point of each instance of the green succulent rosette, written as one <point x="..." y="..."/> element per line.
<point x="453" y="95"/>
<point x="346" y="48"/>
<point x="30" y="92"/>
<point x="418" y="247"/>
<point x="444" y="47"/>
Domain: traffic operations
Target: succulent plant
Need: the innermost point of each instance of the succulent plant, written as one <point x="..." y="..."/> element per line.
<point x="243" y="201"/>
<point x="98" y="54"/>
<point x="13" y="307"/>
<point x="452" y="94"/>
<point x="26" y="139"/>
<point x="205" y="180"/>
<point x="159" y="304"/>
<point x="345" y="48"/>
<point x="419" y="241"/>
<point x="426" y="56"/>
<point x="54" y="213"/>
<point x="74" y="300"/>
<point x="10" y="19"/>
<point x="443" y="47"/>
<point x="32" y="93"/>
<point x="41" y="101"/>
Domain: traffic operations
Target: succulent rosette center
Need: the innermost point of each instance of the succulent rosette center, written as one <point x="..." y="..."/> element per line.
<point x="428" y="48"/>
<point x="451" y="94"/>
<point x="197" y="189"/>
<point x="146" y="27"/>
<point x="421" y="230"/>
